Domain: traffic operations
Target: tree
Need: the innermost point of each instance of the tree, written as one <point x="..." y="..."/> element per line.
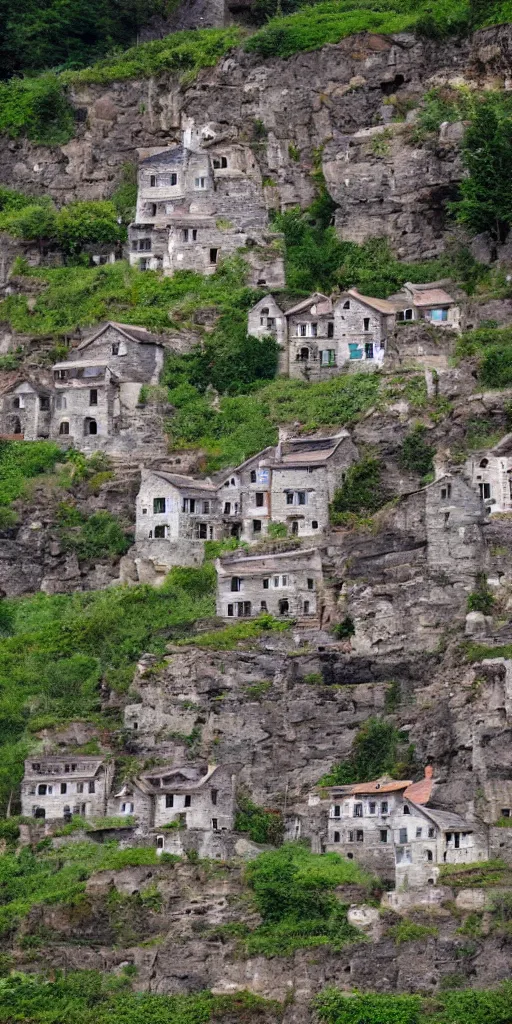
<point x="417" y="455"/>
<point x="35" y="223"/>
<point x="486" y="194"/>
<point x="81" y="223"/>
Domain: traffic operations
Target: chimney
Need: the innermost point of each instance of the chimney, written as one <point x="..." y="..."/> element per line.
<point x="429" y="771"/>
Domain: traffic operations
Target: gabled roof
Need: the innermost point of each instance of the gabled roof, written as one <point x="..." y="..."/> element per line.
<point x="191" y="779"/>
<point x="186" y="482"/>
<point x="85" y="766"/>
<point x="267" y="299"/>
<point x="13" y="381"/>
<point x="172" y="155"/>
<point x="447" y="821"/>
<point x="252" y="565"/>
<point x="378" y="786"/>
<point x="381" y="305"/>
<point x="317" y="297"/>
<point x="420" y="792"/>
<point x="130" y="331"/>
<point x="429" y="295"/>
<point x="307" y="450"/>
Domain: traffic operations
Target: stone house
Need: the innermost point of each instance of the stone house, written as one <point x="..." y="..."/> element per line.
<point x="169" y="799"/>
<point x="96" y="396"/>
<point x="58" y="786"/>
<point x="286" y="585"/>
<point x="454" y="516"/>
<point x="291" y="483"/>
<point x="390" y="827"/>
<point x="199" y="202"/>
<point x="175" y="515"/>
<point x="320" y="335"/>
<point x="25" y="410"/>
<point x="491" y="474"/>
<point x="427" y="302"/>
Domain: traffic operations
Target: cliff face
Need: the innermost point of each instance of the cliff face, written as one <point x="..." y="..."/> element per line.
<point x="334" y="102"/>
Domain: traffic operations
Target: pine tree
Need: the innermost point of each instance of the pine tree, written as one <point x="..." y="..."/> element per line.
<point x="486" y="194"/>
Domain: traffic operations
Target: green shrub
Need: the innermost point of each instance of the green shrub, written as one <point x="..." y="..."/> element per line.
<point x="362" y="492"/>
<point x="409" y="931"/>
<point x="417" y="456"/>
<point x="227" y="639"/>
<point x="344" y="629"/>
<point x="37" y="108"/>
<point x="378" y="749"/>
<point x="97" y="536"/>
<point x="182" y="53"/>
<point x="458" y="1007"/>
<point x="482" y="599"/>
<point x="21" y="460"/>
<point x="262" y="826"/>
<point x="293" y="890"/>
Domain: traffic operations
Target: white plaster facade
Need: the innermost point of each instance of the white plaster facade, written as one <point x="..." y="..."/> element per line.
<point x="390" y="828"/>
<point x="59" y="786"/>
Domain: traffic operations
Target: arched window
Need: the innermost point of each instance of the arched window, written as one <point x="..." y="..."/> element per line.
<point x="64" y="427"/>
<point x="346" y="305"/>
<point x="429" y="855"/>
<point x="90" y="426"/>
<point x="484" y="463"/>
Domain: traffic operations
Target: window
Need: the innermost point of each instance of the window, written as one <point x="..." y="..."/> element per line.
<point x="311" y="584"/>
<point x="485" y="491"/>
<point x="505" y="812"/>
<point x="243" y="609"/>
<point x="266" y="584"/>
<point x="160" y="532"/>
<point x="93" y="396"/>
<point x="44" y="404"/>
<point x="446" y="491"/>
<point x="330" y="329"/>
<point x="215" y="824"/>
<point x="289" y="497"/>
<point x="372" y="807"/>
<point x="407" y="810"/>
<point x="152" y="209"/>
<point x="220" y="162"/>
<point x="213" y="255"/>
<point x="37" y="768"/>
<point x="60" y="375"/>
<point x="337" y="811"/>
<point x="127" y="807"/>
<point x="351" y="837"/>
<point x="158" y="506"/>
<point x="236" y="583"/>
<point x="384" y="807"/>
<point x="64" y="427"/>
<point x="174" y="178"/>
<point x="152" y="181"/>
<point x="63" y="787"/>
<point x="253" y="476"/>
<point x="214" y="794"/>
<point x="60" y="402"/>
<point x="92" y="787"/>
<point x="336" y="837"/>
<point x="230" y="610"/>
<point x="188" y="505"/>
<point x="199" y="183"/>
<point x="314" y="524"/>
<point x="41" y="790"/>
<point x="346" y="305"/>
<point x="313" y="330"/>
<point x="359" y="836"/>
<point x="418" y="833"/>
<point x="263" y="606"/>
<point x="402" y="835"/>
<point x="431" y="833"/>
<point x="169" y="800"/>
<point x="302" y="330"/>
<point x="79" y="787"/>
<point x="256" y="526"/>
<point x="438" y="315"/>
<point x="405" y="314"/>
<point x="306" y="607"/>
<point x="188" y="801"/>
<point x="90" y="427"/>
<point x="190" y="234"/>
<point x="358" y="810"/>
<point x="328" y="357"/>
<point x="301" y="498"/>
<point x="206" y="508"/>
<point x="202" y="531"/>
<point x="383" y="835"/>
<point x="368" y="350"/>
<point x="366" y="323"/>
<point x="429" y="854"/>
<point x="159" y="842"/>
